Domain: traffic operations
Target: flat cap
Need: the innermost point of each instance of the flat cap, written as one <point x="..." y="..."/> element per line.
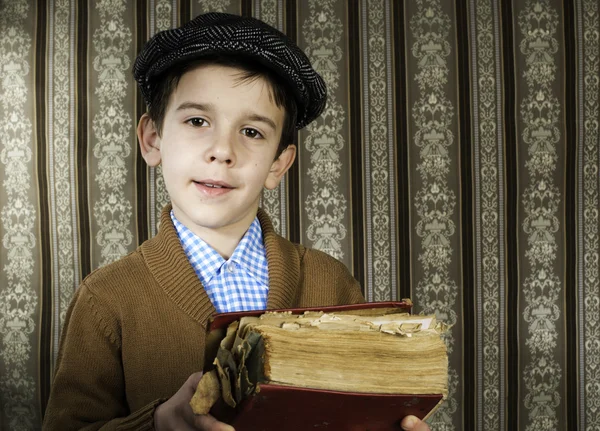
<point x="220" y="33"/>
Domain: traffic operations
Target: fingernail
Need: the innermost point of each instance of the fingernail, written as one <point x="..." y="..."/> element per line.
<point x="408" y="424"/>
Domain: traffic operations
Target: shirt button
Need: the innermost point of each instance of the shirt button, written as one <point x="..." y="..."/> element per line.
<point x="230" y="267"/>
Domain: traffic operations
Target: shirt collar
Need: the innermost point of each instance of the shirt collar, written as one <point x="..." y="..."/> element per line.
<point x="206" y="261"/>
<point x="250" y="253"/>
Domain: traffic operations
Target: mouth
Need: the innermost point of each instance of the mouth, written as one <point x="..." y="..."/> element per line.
<point x="213" y="188"/>
<point x="211" y="184"/>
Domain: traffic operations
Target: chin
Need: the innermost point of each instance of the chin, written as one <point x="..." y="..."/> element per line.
<point x="215" y="216"/>
<point x="216" y="220"/>
<point x="211" y="222"/>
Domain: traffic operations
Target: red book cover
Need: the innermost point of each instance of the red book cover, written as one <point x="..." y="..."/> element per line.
<point x="298" y="409"/>
<point x="278" y="407"/>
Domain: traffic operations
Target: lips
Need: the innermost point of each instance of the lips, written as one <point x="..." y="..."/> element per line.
<point x="213" y="188"/>
<point x="214" y="184"/>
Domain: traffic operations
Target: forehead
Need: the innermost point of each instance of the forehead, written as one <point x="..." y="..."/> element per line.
<point x="228" y="79"/>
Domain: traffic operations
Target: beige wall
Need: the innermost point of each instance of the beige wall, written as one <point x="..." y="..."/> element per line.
<point x="456" y="163"/>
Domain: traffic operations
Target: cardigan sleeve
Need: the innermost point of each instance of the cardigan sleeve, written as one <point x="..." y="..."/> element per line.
<point x="88" y="391"/>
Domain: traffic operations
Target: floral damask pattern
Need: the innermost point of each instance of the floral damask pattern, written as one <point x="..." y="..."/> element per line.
<point x="489" y="217"/>
<point x="62" y="196"/>
<point x="273" y="201"/>
<point x="65" y="242"/>
<point x="47" y="87"/>
<point x="588" y="215"/>
<point x="164" y="11"/>
<point x="379" y="154"/>
<point x="112" y="127"/>
<point x="214" y="5"/>
<point x="19" y="297"/>
<point x="433" y="115"/>
<point x="325" y="205"/>
<point x="268" y="11"/>
<point x="541" y="288"/>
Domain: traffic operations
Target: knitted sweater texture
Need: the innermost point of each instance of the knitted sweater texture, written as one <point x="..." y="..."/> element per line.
<point x="135" y="329"/>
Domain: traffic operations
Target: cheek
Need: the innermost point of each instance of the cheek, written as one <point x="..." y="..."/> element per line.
<point x="173" y="166"/>
<point x="174" y="156"/>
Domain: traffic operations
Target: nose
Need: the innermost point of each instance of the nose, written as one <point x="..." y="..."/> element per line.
<point x="222" y="150"/>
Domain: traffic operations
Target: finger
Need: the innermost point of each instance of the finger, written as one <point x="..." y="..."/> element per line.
<point x="193" y="380"/>
<point x="191" y="384"/>
<point x="186" y="392"/>
<point x="410" y="422"/>
<point x="208" y="422"/>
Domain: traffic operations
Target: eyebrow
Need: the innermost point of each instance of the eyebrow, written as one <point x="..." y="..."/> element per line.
<point x="262" y="119"/>
<point x="194" y="105"/>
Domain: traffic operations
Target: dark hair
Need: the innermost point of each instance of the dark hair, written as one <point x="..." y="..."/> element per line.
<point x="251" y="70"/>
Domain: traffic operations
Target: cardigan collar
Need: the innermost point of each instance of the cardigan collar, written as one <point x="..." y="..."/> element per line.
<point x="172" y="270"/>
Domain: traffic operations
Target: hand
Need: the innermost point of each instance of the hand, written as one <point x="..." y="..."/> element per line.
<point x="412" y="423"/>
<point x="176" y="413"/>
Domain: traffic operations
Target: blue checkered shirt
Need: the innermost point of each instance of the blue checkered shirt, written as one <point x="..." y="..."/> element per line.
<point x="238" y="284"/>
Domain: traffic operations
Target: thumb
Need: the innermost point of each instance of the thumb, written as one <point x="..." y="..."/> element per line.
<point x="193" y="380"/>
<point x="409" y="422"/>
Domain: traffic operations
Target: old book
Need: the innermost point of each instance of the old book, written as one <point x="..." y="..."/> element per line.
<point x="360" y="367"/>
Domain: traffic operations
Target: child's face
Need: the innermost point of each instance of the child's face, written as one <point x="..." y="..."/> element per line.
<point x="219" y="139"/>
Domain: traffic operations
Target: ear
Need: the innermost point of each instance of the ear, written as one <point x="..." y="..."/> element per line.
<point x="149" y="140"/>
<point x="280" y="166"/>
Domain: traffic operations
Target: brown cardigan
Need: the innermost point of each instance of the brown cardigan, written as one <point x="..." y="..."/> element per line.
<point x="135" y="329"/>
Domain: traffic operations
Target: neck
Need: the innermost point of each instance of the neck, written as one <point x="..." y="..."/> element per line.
<point x="224" y="242"/>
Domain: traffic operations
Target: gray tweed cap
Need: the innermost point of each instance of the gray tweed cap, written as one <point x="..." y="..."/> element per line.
<point x="221" y="33"/>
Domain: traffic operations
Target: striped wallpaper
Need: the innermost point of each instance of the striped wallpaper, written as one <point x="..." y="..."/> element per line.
<point x="457" y="163"/>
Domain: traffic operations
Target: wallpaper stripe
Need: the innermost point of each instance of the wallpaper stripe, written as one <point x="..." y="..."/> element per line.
<point x="82" y="127"/>
<point x="541" y="138"/>
<point x="274" y="201"/>
<point x="588" y="217"/>
<point x="61" y="133"/>
<point x="356" y="144"/>
<point x="486" y="105"/>
<point x="392" y="234"/>
<point x="269" y="11"/>
<point x="403" y="207"/>
<point x="18" y="217"/>
<point x="42" y="172"/>
<point x="368" y="285"/>
<point x="204" y="6"/>
<point x="468" y="88"/>
<point x="185" y="12"/>
<point x="163" y="15"/>
<point x="378" y="152"/>
<point x="435" y="180"/>
<point x="325" y="191"/>
<point x="580" y="311"/>
<point x="570" y="226"/>
<point x="467" y="197"/>
<point x="511" y="210"/>
<point x="580" y="280"/>
<point x="501" y="233"/>
<point x="293" y="191"/>
<point x="74" y="226"/>
<point x="145" y="182"/>
<point x="111" y="137"/>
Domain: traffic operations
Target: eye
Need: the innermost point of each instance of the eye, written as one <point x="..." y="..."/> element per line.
<point x="252" y="133"/>
<point x="196" y="122"/>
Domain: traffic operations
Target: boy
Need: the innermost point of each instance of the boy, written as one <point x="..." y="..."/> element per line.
<point x="224" y="94"/>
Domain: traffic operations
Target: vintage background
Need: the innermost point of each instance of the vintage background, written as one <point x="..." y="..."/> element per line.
<point x="456" y="163"/>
